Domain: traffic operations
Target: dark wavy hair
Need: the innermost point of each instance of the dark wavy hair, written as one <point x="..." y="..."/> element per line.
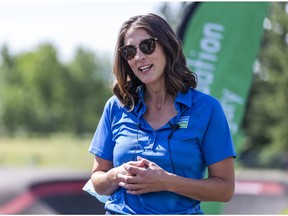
<point x="178" y="77"/>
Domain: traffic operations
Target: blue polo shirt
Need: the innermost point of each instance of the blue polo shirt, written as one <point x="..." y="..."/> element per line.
<point x="201" y="138"/>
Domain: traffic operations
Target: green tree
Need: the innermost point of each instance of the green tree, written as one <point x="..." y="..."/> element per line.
<point x="32" y="91"/>
<point x="87" y="90"/>
<point x="174" y="12"/>
<point x="8" y="79"/>
<point x="266" y="119"/>
<point x="39" y="94"/>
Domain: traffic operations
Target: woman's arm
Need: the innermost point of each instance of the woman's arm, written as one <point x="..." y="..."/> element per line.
<point x="219" y="186"/>
<point x="104" y="176"/>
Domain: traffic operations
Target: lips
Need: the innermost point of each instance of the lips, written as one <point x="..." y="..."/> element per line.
<point x="145" y="68"/>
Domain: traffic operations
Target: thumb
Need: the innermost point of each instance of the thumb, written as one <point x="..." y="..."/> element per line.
<point x="143" y="161"/>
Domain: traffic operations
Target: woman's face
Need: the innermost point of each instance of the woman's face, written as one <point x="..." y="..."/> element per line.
<point x="148" y="68"/>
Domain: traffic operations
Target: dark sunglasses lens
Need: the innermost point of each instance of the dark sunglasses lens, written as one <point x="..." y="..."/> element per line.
<point x="128" y="52"/>
<point x="148" y="46"/>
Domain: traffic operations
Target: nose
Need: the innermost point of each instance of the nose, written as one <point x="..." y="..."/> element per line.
<point x="139" y="54"/>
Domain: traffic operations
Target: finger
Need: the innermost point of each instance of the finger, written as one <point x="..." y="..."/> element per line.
<point x="134" y="169"/>
<point x="131" y="179"/>
<point x="131" y="188"/>
<point x="142" y="159"/>
<point x="135" y="163"/>
<point x="138" y="191"/>
<point x="127" y="186"/>
<point x="139" y="158"/>
<point x="144" y="162"/>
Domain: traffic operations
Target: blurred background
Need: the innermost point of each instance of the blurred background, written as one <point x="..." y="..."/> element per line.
<point x="55" y="77"/>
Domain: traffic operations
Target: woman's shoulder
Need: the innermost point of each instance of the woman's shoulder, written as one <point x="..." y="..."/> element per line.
<point x="113" y="103"/>
<point x="113" y="100"/>
<point x="202" y="99"/>
<point x="207" y="106"/>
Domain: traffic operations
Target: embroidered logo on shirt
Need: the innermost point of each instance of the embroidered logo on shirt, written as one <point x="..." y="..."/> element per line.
<point x="183" y="121"/>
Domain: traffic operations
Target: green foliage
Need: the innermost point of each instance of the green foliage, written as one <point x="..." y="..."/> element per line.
<point x="266" y="120"/>
<point x="174" y="12"/>
<point x="39" y="94"/>
<point x="89" y="91"/>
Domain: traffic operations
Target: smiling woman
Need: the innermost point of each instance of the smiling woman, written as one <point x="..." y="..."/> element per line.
<point x="158" y="134"/>
<point x="66" y="24"/>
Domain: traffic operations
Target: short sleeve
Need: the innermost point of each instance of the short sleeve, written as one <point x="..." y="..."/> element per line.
<point x="102" y="143"/>
<point x="217" y="141"/>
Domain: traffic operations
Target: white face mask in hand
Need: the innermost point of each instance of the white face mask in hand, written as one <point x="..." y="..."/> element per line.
<point x="88" y="187"/>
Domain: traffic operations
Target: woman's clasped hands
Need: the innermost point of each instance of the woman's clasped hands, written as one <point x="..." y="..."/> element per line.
<point x="142" y="176"/>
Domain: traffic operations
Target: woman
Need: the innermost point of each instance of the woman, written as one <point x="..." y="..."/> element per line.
<point x="157" y="133"/>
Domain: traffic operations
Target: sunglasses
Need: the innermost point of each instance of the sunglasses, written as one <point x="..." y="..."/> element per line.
<point x="146" y="46"/>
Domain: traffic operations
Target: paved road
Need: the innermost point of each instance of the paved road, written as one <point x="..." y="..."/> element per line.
<point x="38" y="191"/>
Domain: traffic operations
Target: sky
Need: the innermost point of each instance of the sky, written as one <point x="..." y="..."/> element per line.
<point x="24" y="24"/>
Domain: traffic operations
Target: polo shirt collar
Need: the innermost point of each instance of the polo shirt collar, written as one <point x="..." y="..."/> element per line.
<point x="181" y="98"/>
<point x="185" y="98"/>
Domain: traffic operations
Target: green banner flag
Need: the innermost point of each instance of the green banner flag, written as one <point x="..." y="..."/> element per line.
<point x="220" y="42"/>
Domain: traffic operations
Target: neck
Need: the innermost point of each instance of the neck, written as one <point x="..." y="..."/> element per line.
<point x="157" y="98"/>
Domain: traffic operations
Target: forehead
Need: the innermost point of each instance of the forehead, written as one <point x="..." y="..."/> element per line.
<point x="135" y="36"/>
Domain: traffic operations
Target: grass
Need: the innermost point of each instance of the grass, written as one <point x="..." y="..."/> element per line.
<point x="57" y="151"/>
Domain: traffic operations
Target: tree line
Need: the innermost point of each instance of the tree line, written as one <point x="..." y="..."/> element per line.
<point x="266" y="120"/>
<point x="39" y="94"/>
